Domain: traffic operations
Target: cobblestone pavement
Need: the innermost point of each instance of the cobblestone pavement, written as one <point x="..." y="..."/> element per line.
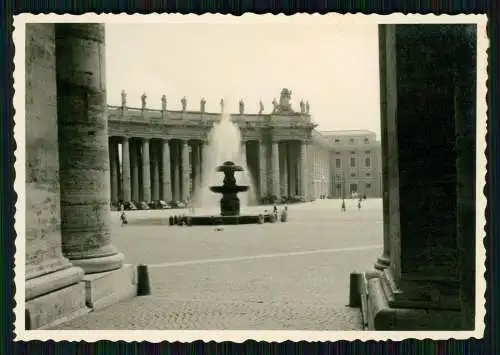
<point x="282" y="276"/>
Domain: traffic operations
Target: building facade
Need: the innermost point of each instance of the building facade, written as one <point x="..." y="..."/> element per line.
<point x="355" y="163"/>
<point x="159" y="154"/>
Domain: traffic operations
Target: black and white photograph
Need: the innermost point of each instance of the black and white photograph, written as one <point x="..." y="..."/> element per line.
<point x="267" y="177"/>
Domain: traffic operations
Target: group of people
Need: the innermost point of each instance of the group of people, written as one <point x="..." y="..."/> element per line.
<point x="283" y="216"/>
<point x="343" y="206"/>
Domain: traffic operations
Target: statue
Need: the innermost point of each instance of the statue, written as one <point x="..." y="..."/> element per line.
<point x="143" y="101"/>
<point x="285" y="97"/>
<point x="222" y="105"/>
<point x="302" y="106"/>
<point x="275" y="105"/>
<point x="202" y="104"/>
<point x="124" y="98"/>
<point x="307" y="107"/>
<point x="261" y="107"/>
<point x="184" y="103"/>
<point x="242" y="107"/>
<point x="163" y="103"/>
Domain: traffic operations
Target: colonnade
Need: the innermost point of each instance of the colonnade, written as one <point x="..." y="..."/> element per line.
<point x="172" y="169"/>
<point x="155" y="169"/>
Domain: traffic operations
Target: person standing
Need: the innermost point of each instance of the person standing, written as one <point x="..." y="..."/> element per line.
<point x="343" y="206"/>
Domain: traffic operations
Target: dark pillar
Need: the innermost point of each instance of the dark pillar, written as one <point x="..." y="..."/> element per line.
<point x="429" y="128"/>
<point x="83" y="146"/>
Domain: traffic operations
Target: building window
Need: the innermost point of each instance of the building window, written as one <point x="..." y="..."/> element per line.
<point x="337" y="140"/>
<point x="353" y="188"/>
<point x="366" y="140"/>
<point x="351" y="140"/>
<point x="353" y="152"/>
<point x="337" y="153"/>
<point x="353" y="174"/>
<point x="353" y="162"/>
<point x="367" y="152"/>
<point x="368" y="174"/>
<point x="368" y="186"/>
<point x="338" y="163"/>
<point x="367" y="162"/>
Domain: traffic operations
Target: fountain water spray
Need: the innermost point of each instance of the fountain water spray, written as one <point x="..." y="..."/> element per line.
<point x="224" y="144"/>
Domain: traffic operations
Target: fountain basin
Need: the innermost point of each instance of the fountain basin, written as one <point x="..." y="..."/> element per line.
<point x="228" y="189"/>
<point x="228" y="220"/>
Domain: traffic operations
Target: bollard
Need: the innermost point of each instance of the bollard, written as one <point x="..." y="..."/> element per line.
<point x="171" y="220"/>
<point x="354" y="291"/>
<point x="143" y="285"/>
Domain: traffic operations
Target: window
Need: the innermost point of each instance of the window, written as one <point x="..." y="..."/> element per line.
<point x="339" y="186"/>
<point x="353" y="162"/>
<point x="337" y="153"/>
<point x="353" y="174"/>
<point x="367" y="161"/>
<point x="368" y="186"/>
<point x="367" y="140"/>
<point x="367" y="152"/>
<point x="353" y="152"/>
<point x="353" y="188"/>
<point x="368" y="174"/>
<point x="351" y="140"/>
<point x="338" y="163"/>
<point x="337" y="140"/>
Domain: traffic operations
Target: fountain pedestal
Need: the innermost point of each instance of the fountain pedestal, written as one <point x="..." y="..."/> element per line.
<point x="229" y="203"/>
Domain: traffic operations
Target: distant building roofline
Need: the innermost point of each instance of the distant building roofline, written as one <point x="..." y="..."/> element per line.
<point x="347" y="132"/>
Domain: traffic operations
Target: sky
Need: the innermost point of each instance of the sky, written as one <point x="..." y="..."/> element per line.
<point x="333" y="66"/>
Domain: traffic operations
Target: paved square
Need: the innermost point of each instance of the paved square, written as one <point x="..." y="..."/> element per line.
<point x="283" y="276"/>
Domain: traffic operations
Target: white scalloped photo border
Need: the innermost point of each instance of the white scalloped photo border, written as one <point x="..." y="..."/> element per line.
<point x="229" y="335"/>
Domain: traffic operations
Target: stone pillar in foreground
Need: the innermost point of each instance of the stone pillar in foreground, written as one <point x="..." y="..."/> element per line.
<point x="176" y="188"/>
<point x="126" y="187"/>
<point x="386" y="97"/>
<point x="83" y="147"/>
<point x="185" y="171"/>
<point x="275" y="168"/>
<point x="53" y="287"/>
<point x="304" y="170"/>
<point x="146" y="173"/>
<point x="166" y="172"/>
<point x="292" y="169"/>
<point x="430" y="132"/>
<point x="263" y="169"/>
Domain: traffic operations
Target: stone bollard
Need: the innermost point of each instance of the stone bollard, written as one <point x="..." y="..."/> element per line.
<point x="143" y="285"/>
<point x="171" y="221"/>
<point x="261" y="219"/>
<point x="354" y="291"/>
<point x="284" y="217"/>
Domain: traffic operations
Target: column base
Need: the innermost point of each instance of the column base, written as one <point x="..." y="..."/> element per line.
<point x="379" y="315"/>
<point x="382" y="263"/>
<point x="100" y="264"/>
<point x="106" y="288"/>
<point x="56" y="307"/>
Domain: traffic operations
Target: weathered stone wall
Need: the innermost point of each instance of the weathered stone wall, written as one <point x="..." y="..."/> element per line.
<point x="43" y="235"/>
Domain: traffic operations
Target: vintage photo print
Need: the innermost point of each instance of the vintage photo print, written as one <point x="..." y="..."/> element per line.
<point x="266" y="177"/>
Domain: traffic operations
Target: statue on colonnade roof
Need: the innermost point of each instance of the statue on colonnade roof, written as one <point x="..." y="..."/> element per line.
<point x="203" y="103"/>
<point x="143" y="101"/>
<point x="124" y="98"/>
<point x="261" y="107"/>
<point x="164" y="102"/>
<point x="242" y="106"/>
<point x="184" y="103"/>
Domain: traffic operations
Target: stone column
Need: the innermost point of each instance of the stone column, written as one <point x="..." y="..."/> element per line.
<point x="166" y="173"/>
<point x="83" y="147"/>
<point x="243" y="151"/>
<point x="304" y="170"/>
<point x="176" y="195"/>
<point x="52" y="289"/>
<point x="275" y="168"/>
<point x="155" y="173"/>
<point x="134" y="163"/>
<point x="200" y="164"/>
<point x="146" y="174"/>
<point x="385" y="97"/>
<point x="114" y="170"/>
<point x="262" y="169"/>
<point x="422" y="287"/>
<point x="185" y="168"/>
<point x="292" y="167"/>
<point x="283" y="168"/>
<point x="126" y="188"/>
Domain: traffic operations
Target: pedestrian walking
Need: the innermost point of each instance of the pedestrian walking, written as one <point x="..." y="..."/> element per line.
<point x="123" y="218"/>
<point x="343" y="205"/>
<point x="359" y="205"/>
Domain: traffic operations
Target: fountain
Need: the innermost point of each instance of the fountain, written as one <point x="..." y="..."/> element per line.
<point x="229" y="203"/>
